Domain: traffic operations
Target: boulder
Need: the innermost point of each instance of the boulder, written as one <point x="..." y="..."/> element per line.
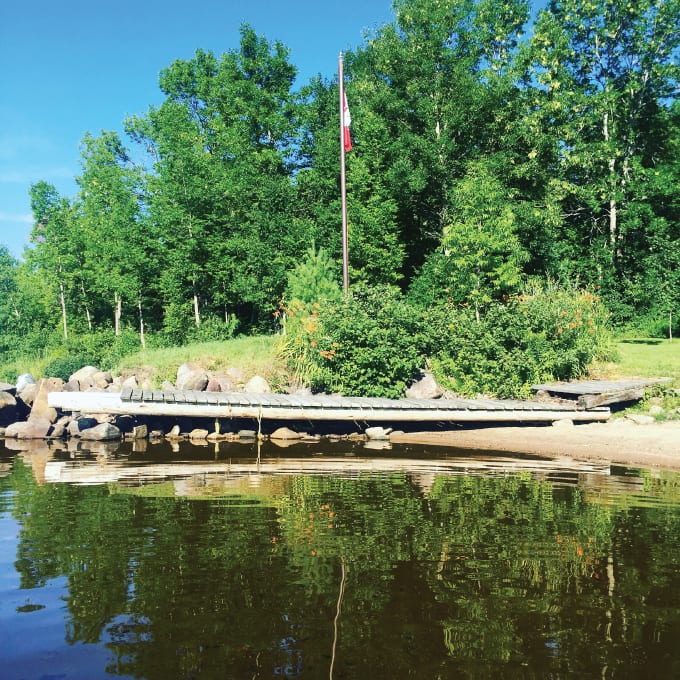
<point x="28" y="394"/>
<point x="102" y="379"/>
<point x="72" y="386"/>
<point x="40" y="408"/>
<point x="78" y="425"/>
<point x="8" y="408"/>
<point x="424" y="388"/>
<point x="198" y="434"/>
<point x="102" y="432"/>
<point x="129" y="383"/>
<point x="640" y="419"/>
<point x="191" y="377"/>
<point x="23" y="381"/>
<point x="379" y="433"/>
<point x="140" y="432"/>
<point x="34" y="428"/>
<point x="6" y="387"/>
<point x="257" y="385"/>
<point x="285" y="434"/>
<point x="85" y="375"/>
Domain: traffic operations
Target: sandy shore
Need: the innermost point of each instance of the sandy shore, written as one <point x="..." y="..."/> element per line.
<point x="618" y="441"/>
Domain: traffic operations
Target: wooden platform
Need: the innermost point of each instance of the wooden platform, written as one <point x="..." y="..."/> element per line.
<point x="592" y="393"/>
<point x="318" y="407"/>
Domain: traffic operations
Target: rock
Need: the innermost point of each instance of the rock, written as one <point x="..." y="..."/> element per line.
<point x="655" y="410"/>
<point x="6" y="387"/>
<point x="640" y="419"/>
<point x="425" y="388"/>
<point x="71" y="386"/>
<point x="564" y="422"/>
<point x="214" y="385"/>
<point x="34" y="428"/>
<point x="102" y="432"/>
<point x="378" y="432"/>
<point x="140" y="432"/>
<point x="247" y="434"/>
<point x="28" y="394"/>
<point x="167" y="386"/>
<point x="85" y="375"/>
<point x="129" y="383"/>
<point x="78" y="425"/>
<point x="40" y="408"/>
<point x="59" y="428"/>
<point x="8" y="408"/>
<point x="285" y="434"/>
<point x="191" y="377"/>
<point x="198" y="434"/>
<point x="174" y="433"/>
<point x="23" y="381"/>
<point x="102" y="379"/>
<point x="257" y="385"/>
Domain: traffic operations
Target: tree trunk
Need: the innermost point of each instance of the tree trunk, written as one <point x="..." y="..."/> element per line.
<point x="197" y="313"/>
<point x="118" y="309"/>
<point x="87" y="307"/>
<point x="142" y="338"/>
<point x="62" y="301"/>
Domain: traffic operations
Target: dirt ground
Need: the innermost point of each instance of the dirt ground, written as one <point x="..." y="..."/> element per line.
<point x="619" y="441"/>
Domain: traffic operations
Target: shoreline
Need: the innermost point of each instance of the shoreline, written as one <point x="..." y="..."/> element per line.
<point x="620" y="442"/>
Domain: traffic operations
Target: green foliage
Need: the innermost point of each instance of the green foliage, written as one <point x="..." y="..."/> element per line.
<point x="65" y="366"/>
<point x="312" y="279"/>
<point x="213" y="329"/>
<point x="549" y="333"/>
<point x="370" y="344"/>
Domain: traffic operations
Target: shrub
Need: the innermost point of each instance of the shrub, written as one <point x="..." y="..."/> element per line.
<point x="370" y="344"/>
<point x="65" y="366"/>
<point x="549" y="333"/>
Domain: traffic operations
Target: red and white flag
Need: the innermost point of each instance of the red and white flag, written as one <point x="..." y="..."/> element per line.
<point x="346" y="122"/>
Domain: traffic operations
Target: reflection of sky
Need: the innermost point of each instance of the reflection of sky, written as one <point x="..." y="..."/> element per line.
<point x="32" y="641"/>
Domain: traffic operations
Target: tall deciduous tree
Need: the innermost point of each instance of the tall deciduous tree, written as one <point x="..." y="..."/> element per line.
<point x="606" y="71"/>
<point x="112" y="232"/>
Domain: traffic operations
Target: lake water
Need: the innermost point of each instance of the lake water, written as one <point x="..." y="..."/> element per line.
<point x="333" y="561"/>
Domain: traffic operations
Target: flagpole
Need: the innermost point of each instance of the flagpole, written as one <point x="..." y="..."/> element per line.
<point x="343" y="187"/>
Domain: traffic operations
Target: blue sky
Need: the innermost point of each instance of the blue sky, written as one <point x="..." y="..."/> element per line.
<point x="77" y="66"/>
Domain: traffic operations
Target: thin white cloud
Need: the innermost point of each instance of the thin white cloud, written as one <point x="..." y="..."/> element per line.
<point x="30" y="175"/>
<point x="25" y="218"/>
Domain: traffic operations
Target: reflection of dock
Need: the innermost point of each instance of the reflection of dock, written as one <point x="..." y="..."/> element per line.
<point x="222" y="474"/>
<point x="319" y="407"/>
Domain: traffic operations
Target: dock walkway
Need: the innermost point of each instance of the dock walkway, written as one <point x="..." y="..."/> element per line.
<point x="320" y="407"/>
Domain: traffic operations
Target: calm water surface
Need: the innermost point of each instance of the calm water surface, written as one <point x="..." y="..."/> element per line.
<point x="333" y="561"/>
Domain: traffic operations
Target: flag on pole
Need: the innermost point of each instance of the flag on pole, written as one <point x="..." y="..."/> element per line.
<point x="346" y="122"/>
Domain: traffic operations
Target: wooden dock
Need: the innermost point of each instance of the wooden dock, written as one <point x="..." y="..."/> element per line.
<point x="592" y="393"/>
<point x="229" y="405"/>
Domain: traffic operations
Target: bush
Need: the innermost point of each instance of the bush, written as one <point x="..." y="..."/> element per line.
<point x="547" y="334"/>
<point x="65" y="366"/>
<point x="370" y="344"/>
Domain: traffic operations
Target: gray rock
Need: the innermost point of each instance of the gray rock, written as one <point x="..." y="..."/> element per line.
<point x="78" y="425"/>
<point x="72" y="386"/>
<point x="28" y="394"/>
<point x="85" y="375"/>
<point x="247" y="434"/>
<point x="655" y="410"/>
<point x="140" y="432"/>
<point x="6" y="387"/>
<point x="102" y="432"/>
<point x="23" y="381"/>
<point x="198" y="434"/>
<point x="129" y="383"/>
<point x="191" y="377"/>
<point x="257" y="385"/>
<point x="379" y="433"/>
<point x="425" y="388"/>
<point x="102" y="379"/>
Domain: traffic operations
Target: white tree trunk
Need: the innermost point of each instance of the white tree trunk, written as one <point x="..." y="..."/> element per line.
<point x="62" y="301"/>
<point x="118" y="309"/>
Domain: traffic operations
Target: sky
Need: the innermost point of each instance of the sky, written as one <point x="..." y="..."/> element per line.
<point x="78" y="66"/>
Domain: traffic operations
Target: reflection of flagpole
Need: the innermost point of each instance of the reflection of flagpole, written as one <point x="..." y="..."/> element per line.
<point x="343" y="191"/>
<point x="337" y="615"/>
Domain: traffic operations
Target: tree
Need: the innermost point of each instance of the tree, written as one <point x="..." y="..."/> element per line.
<point x="606" y="72"/>
<point x="54" y="238"/>
<point x="115" y="241"/>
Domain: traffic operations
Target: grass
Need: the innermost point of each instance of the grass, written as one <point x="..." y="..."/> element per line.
<point x="642" y="358"/>
<point x="256" y="355"/>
